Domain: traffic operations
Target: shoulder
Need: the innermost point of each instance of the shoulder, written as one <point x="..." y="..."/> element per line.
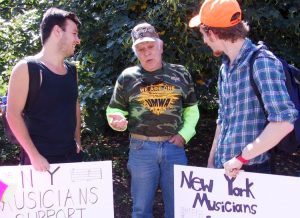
<point x="131" y="72"/>
<point x="20" y="69"/>
<point x="175" y="67"/>
<point x="19" y="79"/>
<point x="263" y="57"/>
<point x="178" y="70"/>
<point x="266" y="59"/>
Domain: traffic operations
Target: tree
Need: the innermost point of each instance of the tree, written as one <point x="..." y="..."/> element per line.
<point x="106" y="44"/>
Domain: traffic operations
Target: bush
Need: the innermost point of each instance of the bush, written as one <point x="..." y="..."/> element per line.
<point x="106" y="45"/>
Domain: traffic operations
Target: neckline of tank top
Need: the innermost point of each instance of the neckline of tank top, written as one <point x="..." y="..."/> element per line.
<point x="54" y="73"/>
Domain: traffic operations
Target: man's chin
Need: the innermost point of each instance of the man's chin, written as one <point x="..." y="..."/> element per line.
<point x="217" y="53"/>
<point x="70" y="55"/>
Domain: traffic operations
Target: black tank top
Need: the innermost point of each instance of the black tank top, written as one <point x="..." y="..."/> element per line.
<point x="51" y="120"/>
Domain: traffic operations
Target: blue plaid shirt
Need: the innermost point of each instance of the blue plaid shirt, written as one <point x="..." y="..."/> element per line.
<point x="240" y="116"/>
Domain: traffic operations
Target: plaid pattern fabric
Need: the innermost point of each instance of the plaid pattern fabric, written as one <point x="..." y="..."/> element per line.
<point x="240" y="115"/>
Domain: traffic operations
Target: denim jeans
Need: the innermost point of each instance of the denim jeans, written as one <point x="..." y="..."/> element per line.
<point x="151" y="164"/>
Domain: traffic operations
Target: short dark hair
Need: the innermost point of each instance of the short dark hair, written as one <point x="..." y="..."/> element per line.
<point x="238" y="31"/>
<point x="55" y="16"/>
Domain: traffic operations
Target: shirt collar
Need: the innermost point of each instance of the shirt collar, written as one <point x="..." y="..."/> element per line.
<point x="247" y="47"/>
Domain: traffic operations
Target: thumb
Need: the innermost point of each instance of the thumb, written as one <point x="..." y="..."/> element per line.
<point x="115" y="116"/>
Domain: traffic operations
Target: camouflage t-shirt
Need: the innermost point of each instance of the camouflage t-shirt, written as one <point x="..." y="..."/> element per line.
<point x="155" y="100"/>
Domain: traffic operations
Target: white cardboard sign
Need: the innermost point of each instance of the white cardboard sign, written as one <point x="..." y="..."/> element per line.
<point x="208" y="193"/>
<point x="77" y="190"/>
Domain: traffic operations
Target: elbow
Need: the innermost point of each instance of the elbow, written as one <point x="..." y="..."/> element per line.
<point x="289" y="127"/>
<point x="11" y="116"/>
<point x="8" y="116"/>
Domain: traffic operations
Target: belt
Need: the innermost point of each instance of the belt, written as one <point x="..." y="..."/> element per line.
<point x="150" y="138"/>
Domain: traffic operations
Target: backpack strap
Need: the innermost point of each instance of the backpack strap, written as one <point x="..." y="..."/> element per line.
<point x="34" y="82"/>
<point x="252" y="81"/>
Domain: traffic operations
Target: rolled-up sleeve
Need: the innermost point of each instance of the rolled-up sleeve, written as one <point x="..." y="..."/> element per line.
<point x="270" y="79"/>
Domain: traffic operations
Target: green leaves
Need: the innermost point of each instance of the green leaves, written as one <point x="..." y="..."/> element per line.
<point x="106" y="43"/>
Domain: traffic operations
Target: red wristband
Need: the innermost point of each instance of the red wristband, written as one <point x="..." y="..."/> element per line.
<point x="241" y="159"/>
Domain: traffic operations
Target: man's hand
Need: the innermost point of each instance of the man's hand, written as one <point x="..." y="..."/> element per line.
<point x="210" y="162"/>
<point x="78" y="148"/>
<point x="39" y="163"/>
<point x="177" y="140"/>
<point x="118" y="122"/>
<point x="232" y="167"/>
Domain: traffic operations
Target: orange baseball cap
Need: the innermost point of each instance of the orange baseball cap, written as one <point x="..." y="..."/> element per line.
<point x="218" y="13"/>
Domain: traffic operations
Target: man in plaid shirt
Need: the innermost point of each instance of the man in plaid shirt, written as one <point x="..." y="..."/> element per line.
<point x="242" y="137"/>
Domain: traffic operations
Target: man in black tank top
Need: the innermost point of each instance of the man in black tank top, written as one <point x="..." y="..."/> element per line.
<point x="49" y="131"/>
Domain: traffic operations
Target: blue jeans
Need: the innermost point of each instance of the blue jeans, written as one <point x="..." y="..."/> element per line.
<point x="151" y="164"/>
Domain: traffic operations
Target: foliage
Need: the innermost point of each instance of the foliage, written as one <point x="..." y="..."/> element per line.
<point x="106" y="45"/>
<point x="278" y="24"/>
<point x="8" y="153"/>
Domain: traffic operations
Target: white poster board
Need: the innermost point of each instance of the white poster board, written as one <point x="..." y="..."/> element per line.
<point x="208" y="193"/>
<point x="77" y="190"/>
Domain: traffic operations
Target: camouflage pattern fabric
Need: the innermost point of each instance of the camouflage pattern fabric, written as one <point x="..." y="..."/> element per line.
<point x="155" y="100"/>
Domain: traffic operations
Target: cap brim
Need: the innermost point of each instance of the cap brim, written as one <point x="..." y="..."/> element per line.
<point x="195" y="21"/>
<point x="144" y="39"/>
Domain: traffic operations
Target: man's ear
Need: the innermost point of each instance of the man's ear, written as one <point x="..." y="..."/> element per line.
<point x="57" y="31"/>
<point x="213" y="37"/>
<point x="161" y="46"/>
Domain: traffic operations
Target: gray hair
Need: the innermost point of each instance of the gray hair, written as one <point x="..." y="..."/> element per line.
<point x="157" y="40"/>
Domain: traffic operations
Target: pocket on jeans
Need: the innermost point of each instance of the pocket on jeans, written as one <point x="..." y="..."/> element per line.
<point x="136" y="144"/>
<point x="177" y="146"/>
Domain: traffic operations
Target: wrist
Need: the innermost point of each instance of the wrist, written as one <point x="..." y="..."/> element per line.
<point x="241" y="158"/>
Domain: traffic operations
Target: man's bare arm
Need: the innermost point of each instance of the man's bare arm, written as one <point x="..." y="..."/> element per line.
<point x="17" y="95"/>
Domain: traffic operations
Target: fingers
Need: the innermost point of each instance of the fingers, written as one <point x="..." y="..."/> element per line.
<point x="41" y="168"/>
<point x="232" y="172"/>
<point x="78" y="148"/>
<point x="40" y="164"/>
<point x="232" y="167"/>
<point x="210" y="165"/>
<point x="115" y="116"/>
<point x="119" y="124"/>
<point x="177" y="140"/>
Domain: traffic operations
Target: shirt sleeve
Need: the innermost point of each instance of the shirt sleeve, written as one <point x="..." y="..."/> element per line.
<point x="220" y="109"/>
<point x="110" y="111"/>
<point x="190" y="118"/>
<point x="118" y="102"/>
<point x="119" y="97"/>
<point x="270" y="78"/>
<point x="190" y="95"/>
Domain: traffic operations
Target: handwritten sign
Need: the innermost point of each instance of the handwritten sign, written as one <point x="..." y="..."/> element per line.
<point x="209" y="193"/>
<point x="77" y="190"/>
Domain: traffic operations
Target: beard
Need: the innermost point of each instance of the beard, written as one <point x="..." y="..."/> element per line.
<point x="217" y="53"/>
<point x="65" y="48"/>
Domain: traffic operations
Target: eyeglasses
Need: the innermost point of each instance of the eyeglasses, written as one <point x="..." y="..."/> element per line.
<point x="204" y="28"/>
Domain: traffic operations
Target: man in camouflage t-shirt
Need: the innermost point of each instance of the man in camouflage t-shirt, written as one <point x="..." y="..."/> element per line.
<point x="156" y="100"/>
